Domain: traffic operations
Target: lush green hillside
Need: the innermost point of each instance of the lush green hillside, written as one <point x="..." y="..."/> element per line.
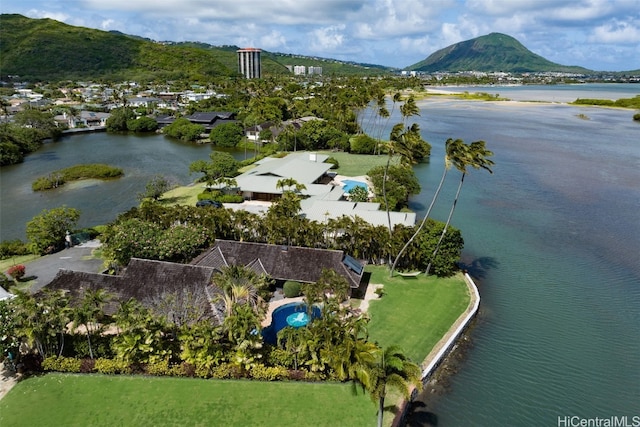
<point x="47" y="49"/>
<point x="44" y="49"/>
<point x="493" y="52"/>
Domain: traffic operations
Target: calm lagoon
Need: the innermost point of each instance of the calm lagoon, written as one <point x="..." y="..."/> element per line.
<point x="99" y="202"/>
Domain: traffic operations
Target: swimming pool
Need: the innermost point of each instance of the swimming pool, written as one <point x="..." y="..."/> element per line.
<point x="350" y="184"/>
<point x="279" y="319"/>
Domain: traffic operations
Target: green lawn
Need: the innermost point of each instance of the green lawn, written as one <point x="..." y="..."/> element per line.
<point x="415" y="313"/>
<point x="355" y="164"/>
<point x="97" y="400"/>
<point x="186" y="195"/>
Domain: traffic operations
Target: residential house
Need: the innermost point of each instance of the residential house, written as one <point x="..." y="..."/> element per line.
<point x="309" y="169"/>
<point x="208" y="119"/>
<point x="282" y="263"/>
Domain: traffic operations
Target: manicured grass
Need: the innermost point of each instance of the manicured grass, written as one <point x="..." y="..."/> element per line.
<point x="187" y="195"/>
<point x="356" y="164"/>
<point x="416" y="312"/>
<point x="98" y="400"/>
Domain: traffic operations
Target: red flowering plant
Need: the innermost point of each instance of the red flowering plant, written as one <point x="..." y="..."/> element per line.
<point x="16" y="271"/>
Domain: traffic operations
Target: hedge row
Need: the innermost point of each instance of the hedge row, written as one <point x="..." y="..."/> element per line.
<point x="105" y="366"/>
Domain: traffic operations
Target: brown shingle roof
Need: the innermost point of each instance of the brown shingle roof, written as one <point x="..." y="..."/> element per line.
<point x="142" y="280"/>
<point x="280" y="262"/>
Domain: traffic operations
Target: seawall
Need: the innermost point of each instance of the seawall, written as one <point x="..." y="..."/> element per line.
<point x="444" y="346"/>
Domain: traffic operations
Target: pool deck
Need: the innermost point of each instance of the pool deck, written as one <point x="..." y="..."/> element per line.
<point x="364" y="305"/>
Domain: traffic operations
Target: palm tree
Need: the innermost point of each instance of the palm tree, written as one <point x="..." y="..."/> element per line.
<point x="393" y="369"/>
<point x="474" y="155"/>
<point x="240" y="285"/>
<point x="401" y="142"/>
<point x="90" y="313"/>
<point x="452" y="148"/>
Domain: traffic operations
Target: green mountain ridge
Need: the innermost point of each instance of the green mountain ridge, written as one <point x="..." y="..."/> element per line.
<point x="45" y="49"/>
<point x="492" y="52"/>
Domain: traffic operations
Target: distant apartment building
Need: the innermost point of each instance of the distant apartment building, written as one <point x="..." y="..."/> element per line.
<point x="249" y="62"/>
<point x="299" y="70"/>
<point x="315" y="70"/>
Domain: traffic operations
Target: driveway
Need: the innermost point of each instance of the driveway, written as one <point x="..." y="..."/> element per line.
<point x="77" y="258"/>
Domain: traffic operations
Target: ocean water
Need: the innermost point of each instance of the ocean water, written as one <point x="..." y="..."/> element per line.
<point x="553" y="239"/>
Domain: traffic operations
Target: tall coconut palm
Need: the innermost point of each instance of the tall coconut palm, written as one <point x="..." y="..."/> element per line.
<point x="393" y="369"/>
<point x="476" y="156"/>
<point x="401" y="143"/>
<point x="452" y="149"/>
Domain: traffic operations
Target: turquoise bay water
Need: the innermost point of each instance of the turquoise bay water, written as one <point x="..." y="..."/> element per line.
<point x="554" y="239"/>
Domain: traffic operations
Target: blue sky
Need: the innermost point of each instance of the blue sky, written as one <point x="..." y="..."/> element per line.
<point x="596" y="34"/>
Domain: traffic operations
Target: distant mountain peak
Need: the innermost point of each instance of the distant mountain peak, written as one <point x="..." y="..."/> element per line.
<point x="491" y="52"/>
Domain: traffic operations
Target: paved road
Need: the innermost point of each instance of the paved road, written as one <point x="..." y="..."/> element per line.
<point x="76" y="258"/>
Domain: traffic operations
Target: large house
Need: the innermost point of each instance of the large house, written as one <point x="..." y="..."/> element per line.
<point x="208" y="119"/>
<point x="282" y="263"/>
<point x="90" y="119"/>
<point x="324" y="197"/>
<point x="309" y="169"/>
<point x="150" y="282"/>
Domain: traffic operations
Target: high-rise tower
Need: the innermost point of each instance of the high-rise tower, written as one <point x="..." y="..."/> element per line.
<point x="249" y="62"/>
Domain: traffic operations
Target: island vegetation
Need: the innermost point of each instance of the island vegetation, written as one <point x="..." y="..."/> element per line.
<point x="620" y="103"/>
<point x="76" y="173"/>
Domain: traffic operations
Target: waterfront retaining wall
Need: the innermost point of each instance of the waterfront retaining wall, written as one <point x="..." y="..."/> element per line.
<point x="444" y="346"/>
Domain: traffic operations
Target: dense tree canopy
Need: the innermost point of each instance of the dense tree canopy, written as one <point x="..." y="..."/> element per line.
<point x="46" y="231"/>
<point x="221" y="165"/>
<point x="226" y="134"/>
<point x="117" y="121"/>
<point x="184" y="130"/>
<point x="400" y="184"/>
<point x="25" y="135"/>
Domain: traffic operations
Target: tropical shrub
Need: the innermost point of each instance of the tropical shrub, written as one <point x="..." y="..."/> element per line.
<point x="111" y="366"/>
<point x="142" y="124"/>
<point x="334" y="162"/>
<point x="363" y="144"/>
<point x="9" y="248"/>
<point x="61" y="364"/>
<point x="209" y="195"/>
<point x="160" y="368"/>
<point x="280" y="357"/>
<point x="291" y="289"/>
<point x="230" y="198"/>
<point x="117" y="121"/>
<point x="16" y="271"/>
<point x="184" y="130"/>
<point x="226" y="371"/>
<point x="268" y="373"/>
<point x="46" y="231"/>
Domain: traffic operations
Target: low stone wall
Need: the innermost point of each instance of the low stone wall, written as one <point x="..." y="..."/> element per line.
<point x="443" y="347"/>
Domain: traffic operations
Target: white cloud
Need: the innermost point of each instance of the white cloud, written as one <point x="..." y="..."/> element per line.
<point x="327" y="39"/>
<point x="623" y="32"/>
<point x="273" y="40"/>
